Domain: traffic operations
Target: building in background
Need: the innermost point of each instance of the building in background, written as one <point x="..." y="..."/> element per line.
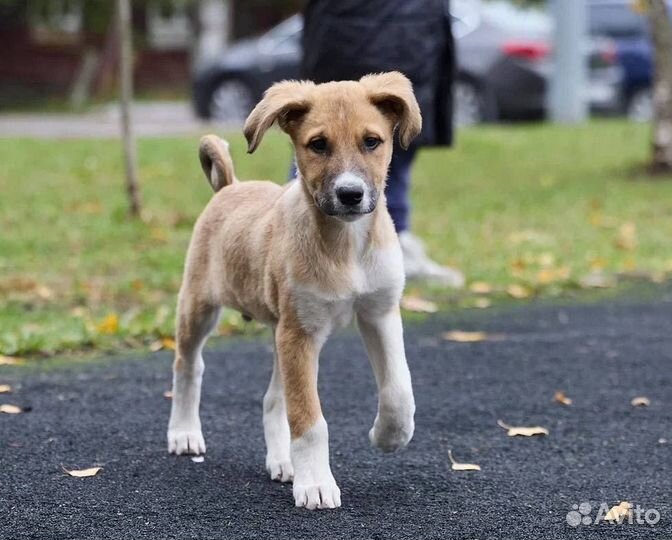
<point x="66" y="49"/>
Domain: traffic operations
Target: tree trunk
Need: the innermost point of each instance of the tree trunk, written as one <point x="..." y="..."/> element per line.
<point x="126" y="98"/>
<point x="661" y="33"/>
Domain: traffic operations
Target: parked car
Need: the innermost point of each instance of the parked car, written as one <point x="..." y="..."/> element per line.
<point x="503" y="57"/>
<point x="619" y="21"/>
<point x="228" y="89"/>
<point x="505" y="60"/>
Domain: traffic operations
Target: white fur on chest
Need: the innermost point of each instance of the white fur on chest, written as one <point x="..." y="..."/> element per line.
<point x="375" y="285"/>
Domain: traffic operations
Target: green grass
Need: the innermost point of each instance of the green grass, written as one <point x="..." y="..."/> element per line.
<point x="540" y="206"/>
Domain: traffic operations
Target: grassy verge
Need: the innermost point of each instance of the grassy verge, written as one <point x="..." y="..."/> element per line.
<point x="523" y="211"/>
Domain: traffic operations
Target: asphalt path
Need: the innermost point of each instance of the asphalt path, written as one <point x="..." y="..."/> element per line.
<point x="600" y="449"/>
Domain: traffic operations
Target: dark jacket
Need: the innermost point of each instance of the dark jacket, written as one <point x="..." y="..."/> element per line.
<point x="346" y="39"/>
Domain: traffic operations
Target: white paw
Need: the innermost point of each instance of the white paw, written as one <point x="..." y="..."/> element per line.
<point x="280" y="471"/>
<point x="391" y="436"/>
<point x="324" y="495"/>
<point x="185" y="441"/>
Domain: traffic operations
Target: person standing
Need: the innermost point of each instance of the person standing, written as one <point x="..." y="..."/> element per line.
<point x="347" y="39"/>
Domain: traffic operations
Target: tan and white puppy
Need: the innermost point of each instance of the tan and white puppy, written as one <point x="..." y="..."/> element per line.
<point x="304" y="258"/>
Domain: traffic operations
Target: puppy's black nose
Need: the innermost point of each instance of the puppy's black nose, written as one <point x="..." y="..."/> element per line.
<point x="350" y="196"/>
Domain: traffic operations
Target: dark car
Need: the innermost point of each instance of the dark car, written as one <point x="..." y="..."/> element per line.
<point x="228" y="89"/>
<point x="618" y="20"/>
<point x="505" y="60"/>
<point x="503" y="57"/>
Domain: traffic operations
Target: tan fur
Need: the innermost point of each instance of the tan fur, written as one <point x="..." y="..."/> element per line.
<point x="256" y="241"/>
<point x="216" y="162"/>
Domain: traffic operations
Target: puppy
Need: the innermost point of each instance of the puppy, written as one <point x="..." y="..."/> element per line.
<point x="304" y="258"/>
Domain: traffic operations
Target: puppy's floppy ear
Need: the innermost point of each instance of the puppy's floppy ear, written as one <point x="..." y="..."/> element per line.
<point x="393" y="94"/>
<point x="286" y="102"/>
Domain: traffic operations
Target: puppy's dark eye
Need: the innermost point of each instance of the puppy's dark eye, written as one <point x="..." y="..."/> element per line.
<point x="318" y="145"/>
<point x="371" y="143"/>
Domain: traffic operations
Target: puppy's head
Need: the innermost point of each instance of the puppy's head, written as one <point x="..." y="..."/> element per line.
<point x="343" y="134"/>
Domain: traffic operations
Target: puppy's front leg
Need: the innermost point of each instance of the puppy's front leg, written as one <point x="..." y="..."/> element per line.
<point x="314" y="485"/>
<point x="384" y="341"/>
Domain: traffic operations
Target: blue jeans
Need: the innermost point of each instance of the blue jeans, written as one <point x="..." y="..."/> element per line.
<point x="398" y="186"/>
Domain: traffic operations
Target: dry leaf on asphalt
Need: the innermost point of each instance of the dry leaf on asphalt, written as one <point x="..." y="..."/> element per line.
<point x="518" y="291"/>
<point x="480" y="287"/>
<point x="462" y="466"/>
<point x="10" y="409"/>
<point x="83" y="473"/>
<point x="465" y="337"/>
<point x="640" y="401"/>
<point x="560" y="397"/>
<point x="618" y="512"/>
<point x="168" y="394"/>
<point x="10" y="360"/>
<point x="198" y="459"/>
<point x="512" y="431"/>
<point x="418" y="305"/>
<point x="5" y="388"/>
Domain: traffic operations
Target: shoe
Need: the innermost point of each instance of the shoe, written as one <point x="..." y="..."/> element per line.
<point x="417" y="265"/>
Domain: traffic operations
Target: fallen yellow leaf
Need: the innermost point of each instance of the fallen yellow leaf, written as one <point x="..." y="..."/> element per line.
<point x="163" y="343"/>
<point x="629" y="264"/>
<point x="618" y="512"/>
<point x="418" y="305"/>
<point x="597" y="280"/>
<point x="640" y="401"/>
<point x="83" y="473"/>
<point x="158" y="234"/>
<point x="10" y="409"/>
<point x="480" y="287"/>
<point x="518" y="267"/>
<point x="529" y="235"/>
<point x="546" y="276"/>
<point x="462" y="466"/>
<point x="518" y="291"/>
<point x="597" y="264"/>
<point x="560" y="397"/>
<point x="482" y="303"/>
<point x="5" y="388"/>
<point x="512" y="431"/>
<point x="627" y="236"/>
<point x="10" y="360"/>
<point x="109" y="325"/>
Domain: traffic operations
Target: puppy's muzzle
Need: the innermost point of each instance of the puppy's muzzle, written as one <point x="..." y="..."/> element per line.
<point x="349" y="197"/>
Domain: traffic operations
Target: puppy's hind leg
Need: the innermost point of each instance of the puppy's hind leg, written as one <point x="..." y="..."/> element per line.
<point x="195" y="321"/>
<point x="276" y="428"/>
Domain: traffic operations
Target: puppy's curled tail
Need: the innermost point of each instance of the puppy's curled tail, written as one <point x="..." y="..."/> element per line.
<point x="216" y="161"/>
